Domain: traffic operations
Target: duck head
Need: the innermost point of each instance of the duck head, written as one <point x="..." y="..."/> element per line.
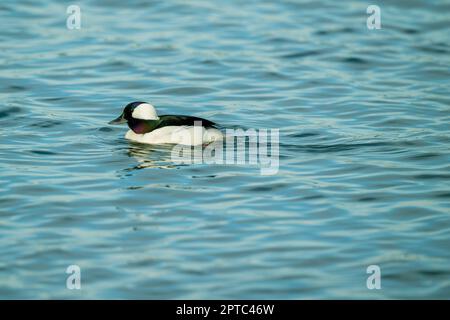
<point x="136" y="110"/>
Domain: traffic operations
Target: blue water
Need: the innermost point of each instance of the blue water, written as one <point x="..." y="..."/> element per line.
<point x="363" y="178"/>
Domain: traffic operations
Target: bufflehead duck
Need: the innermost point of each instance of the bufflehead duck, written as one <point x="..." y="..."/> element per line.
<point x="147" y="127"/>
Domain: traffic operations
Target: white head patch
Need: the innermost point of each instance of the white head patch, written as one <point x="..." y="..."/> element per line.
<point x="145" y="111"/>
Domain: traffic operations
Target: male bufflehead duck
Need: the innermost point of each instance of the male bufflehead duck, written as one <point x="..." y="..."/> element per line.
<point x="147" y="127"/>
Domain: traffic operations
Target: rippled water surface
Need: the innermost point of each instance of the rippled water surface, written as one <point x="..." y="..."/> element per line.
<point x="364" y="150"/>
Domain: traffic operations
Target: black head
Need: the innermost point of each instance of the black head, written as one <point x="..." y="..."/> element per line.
<point x="127" y="113"/>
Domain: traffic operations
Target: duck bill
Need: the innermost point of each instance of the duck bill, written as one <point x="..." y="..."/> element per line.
<point x="119" y="120"/>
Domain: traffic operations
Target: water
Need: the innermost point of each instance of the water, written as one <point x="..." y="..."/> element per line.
<point x="364" y="150"/>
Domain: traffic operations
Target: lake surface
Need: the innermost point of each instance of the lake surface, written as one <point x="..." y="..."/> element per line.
<point x="364" y="155"/>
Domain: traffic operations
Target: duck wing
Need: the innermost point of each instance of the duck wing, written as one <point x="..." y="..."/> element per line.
<point x="178" y="120"/>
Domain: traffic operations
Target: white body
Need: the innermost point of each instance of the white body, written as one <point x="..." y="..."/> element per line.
<point x="186" y="135"/>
